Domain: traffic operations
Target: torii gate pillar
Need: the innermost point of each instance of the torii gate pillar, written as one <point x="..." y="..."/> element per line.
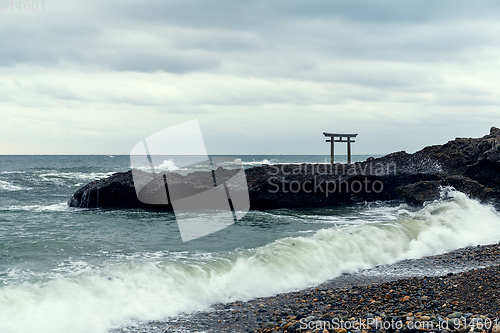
<point x="340" y="137"/>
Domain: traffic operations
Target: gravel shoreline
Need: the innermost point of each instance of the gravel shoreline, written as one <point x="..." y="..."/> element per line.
<point x="435" y="294"/>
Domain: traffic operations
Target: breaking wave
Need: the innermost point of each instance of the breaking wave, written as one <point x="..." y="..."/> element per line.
<point x="7" y="186"/>
<point x="95" y="299"/>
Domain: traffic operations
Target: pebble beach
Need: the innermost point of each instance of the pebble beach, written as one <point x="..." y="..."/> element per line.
<point x="453" y="292"/>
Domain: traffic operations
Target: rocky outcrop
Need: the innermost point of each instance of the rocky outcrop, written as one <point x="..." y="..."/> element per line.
<point x="469" y="165"/>
<point x="116" y="191"/>
<point x="425" y="191"/>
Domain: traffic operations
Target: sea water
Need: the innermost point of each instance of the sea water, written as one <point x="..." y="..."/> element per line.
<point x="91" y="270"/>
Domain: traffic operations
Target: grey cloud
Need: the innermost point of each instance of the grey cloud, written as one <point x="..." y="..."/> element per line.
<point x="98" y="51"/>
<point x="251" y="14"/>
<point x="174" y="62"/>
<point x="187" y="36"/>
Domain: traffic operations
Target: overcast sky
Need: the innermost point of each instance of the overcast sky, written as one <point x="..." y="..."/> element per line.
<point x="261" y="77"/>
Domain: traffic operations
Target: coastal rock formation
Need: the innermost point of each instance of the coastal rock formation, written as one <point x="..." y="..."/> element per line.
<point x="424" y="191"/>
<point x="469" y="165"/>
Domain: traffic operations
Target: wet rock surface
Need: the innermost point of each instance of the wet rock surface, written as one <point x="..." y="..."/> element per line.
<point x="474" y="163"/>
<point x="471" y="165"/>
<point x="424" y="191"/>
<point x="432" y="294"/>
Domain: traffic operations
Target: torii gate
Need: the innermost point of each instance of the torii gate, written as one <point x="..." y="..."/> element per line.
<point x="340" y="136"/>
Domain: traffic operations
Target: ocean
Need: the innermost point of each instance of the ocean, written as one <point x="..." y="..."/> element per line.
<point x="93" y="270"/>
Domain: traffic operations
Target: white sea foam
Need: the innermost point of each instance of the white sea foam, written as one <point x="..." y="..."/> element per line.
<point x="58" y="207"/>
<point x="56" y="176"/>
<point x="7" y="186"/>
<point x="170" y="165"/>
<point x="167" y="165"/>
<point x="257" y="163"/>
<point x="275" y="162"/>
<point x="163" y="284"/>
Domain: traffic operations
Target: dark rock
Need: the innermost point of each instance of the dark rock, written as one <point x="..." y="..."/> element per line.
<point x="426" y="191"/>
<point x="270" y="325"/>
<point x="469" y="165"/>
<point x="116" y="191"/>
<point x="486" y="172"/>
<point x="419" y="193"/>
